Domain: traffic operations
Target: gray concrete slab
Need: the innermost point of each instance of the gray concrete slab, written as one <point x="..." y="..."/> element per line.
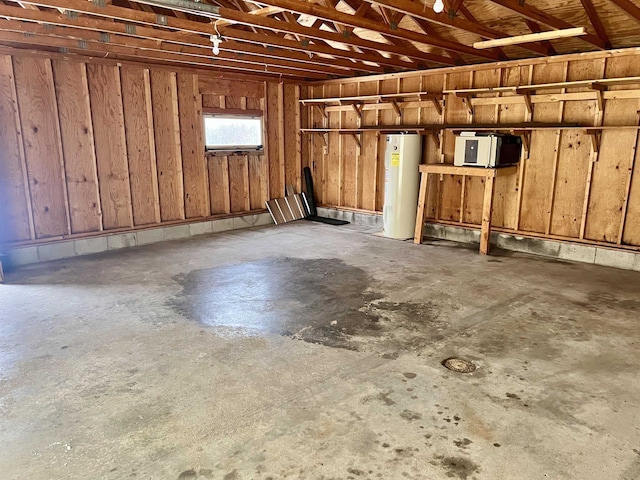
<point x="307" y="351"/>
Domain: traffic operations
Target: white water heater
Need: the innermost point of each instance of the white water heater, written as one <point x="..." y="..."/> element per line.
<point x="401" y="160"/>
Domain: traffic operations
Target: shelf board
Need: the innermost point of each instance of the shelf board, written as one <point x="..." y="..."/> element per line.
<point x="470" y="128"/>
<point x="369" y="98"/>
<point x="546" y="86"/>
<point x="437" y="127"/>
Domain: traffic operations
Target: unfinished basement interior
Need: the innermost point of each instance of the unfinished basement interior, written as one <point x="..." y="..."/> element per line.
<point x="320" y="239"/>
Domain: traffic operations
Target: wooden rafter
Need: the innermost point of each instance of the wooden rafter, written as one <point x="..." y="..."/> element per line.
<point x="452" y="7"/>
<point x="541" y="17"/>
<point x="418" y="10"/>
<point x="535" y="28"/>
<point x="594" y="18"/>
<point x="469" y="16"/>
<point x="130" y="15"/>
<point x="630" y="7"/>
<point x="345" y="18"/>
<point x="100" y="49"/>
<point x="198" y="54"/>
<point x="186" y="39"/>
<point x="429" y="30"/>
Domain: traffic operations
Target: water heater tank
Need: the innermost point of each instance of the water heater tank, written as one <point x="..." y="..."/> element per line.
<point x="402" y="157"/>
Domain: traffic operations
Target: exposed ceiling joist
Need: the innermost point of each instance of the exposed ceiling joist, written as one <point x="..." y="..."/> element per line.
<point x="469" y="16"/>
<point x="418" y="10"/>
<point x="360" y="22"/>
<point x="126" y="14"/>
<point x="596" y="22"/>
<point x="202" y="52"/>
<point x="180" y="38"/>
<point x="535" y="28"/>
<point x="630" y="7"/>
<point x="154" y="20"/>
<point x="101" y="50"/>
<point x="543" y="18"/>
<point x="264" y="12"/>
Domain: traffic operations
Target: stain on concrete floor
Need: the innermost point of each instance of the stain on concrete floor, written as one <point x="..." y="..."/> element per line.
<point x="323" y="301"/>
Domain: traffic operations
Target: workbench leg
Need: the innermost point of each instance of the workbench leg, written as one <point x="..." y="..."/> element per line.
<point x="422" y="203"/>
<point x="487" y="208"/>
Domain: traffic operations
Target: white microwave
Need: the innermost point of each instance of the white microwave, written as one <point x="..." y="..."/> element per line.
<point x="474" y="149"/>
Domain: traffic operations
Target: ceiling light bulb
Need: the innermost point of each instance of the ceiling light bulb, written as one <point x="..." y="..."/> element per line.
<point x="216" y="40"/>
<point x="438" y="6"/>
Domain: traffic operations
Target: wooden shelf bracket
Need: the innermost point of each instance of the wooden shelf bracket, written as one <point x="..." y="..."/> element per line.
<point x="466" y="100"/>
<point x="599" y="88"/>
<point x="320" y="108"/>
<point x="526" y="140"/>
<point x="396" y="107"/>
<point x="357" y="109"/>
<point x="435" y="134"/>
<point x="526" y="96"/>
<point x="323" y="138"/>
<point x="596" y="140"/>
<point x="356" y="137"/>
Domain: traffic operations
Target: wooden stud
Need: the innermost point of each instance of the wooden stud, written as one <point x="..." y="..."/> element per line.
<point x="78" y="150"/>
<point x="281" y="134"/>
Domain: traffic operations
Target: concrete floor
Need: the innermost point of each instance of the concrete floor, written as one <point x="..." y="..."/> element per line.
<point x="307" y="351"/>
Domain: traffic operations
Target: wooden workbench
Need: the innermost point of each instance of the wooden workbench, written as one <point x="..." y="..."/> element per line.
<point x="487" y="207"/>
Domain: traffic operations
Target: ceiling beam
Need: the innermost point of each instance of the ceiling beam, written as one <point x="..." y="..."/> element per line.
<point x="264" y="12"/>
<point x="630" y="7"/>
<point x="180" y="38"/>
<point x="535" y="28"/>
<point x="90" y="48"/>
<point x="132" y="17"/>
<point x="541" y="17"/>
<point x="127" y="14"/>
<point x="333" y="15"/>
<point x="202" y="54"/>
<point x="307" y="47"/>
<point x="419" y="10"/>
<point x="594" y="18"/>
<point x="469" y="16"/>
<point x="429" y="30"/>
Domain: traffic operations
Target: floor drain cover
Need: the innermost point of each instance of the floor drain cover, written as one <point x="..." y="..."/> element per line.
<point x="459" y="365"/>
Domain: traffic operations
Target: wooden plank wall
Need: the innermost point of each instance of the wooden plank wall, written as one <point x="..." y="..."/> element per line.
<point x="563" y="190"/>
<point x="92" y="147"/>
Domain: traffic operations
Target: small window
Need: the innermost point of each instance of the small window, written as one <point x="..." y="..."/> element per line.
<point x="233" y="132"/>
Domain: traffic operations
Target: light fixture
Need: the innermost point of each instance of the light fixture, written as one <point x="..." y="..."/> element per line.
<point x="438" y="6"/>
<point x="216" y="39"/>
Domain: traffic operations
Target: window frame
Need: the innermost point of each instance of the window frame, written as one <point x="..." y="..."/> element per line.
<point x="244" y="149"/>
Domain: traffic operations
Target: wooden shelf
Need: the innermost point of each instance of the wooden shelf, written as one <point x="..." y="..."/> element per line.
<point x="388" y="97"/>
<point x="449" y="169"/>
<point x="594" y="84"/>
<point x="470" y="128"/>
<point x="456" y="127"/>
